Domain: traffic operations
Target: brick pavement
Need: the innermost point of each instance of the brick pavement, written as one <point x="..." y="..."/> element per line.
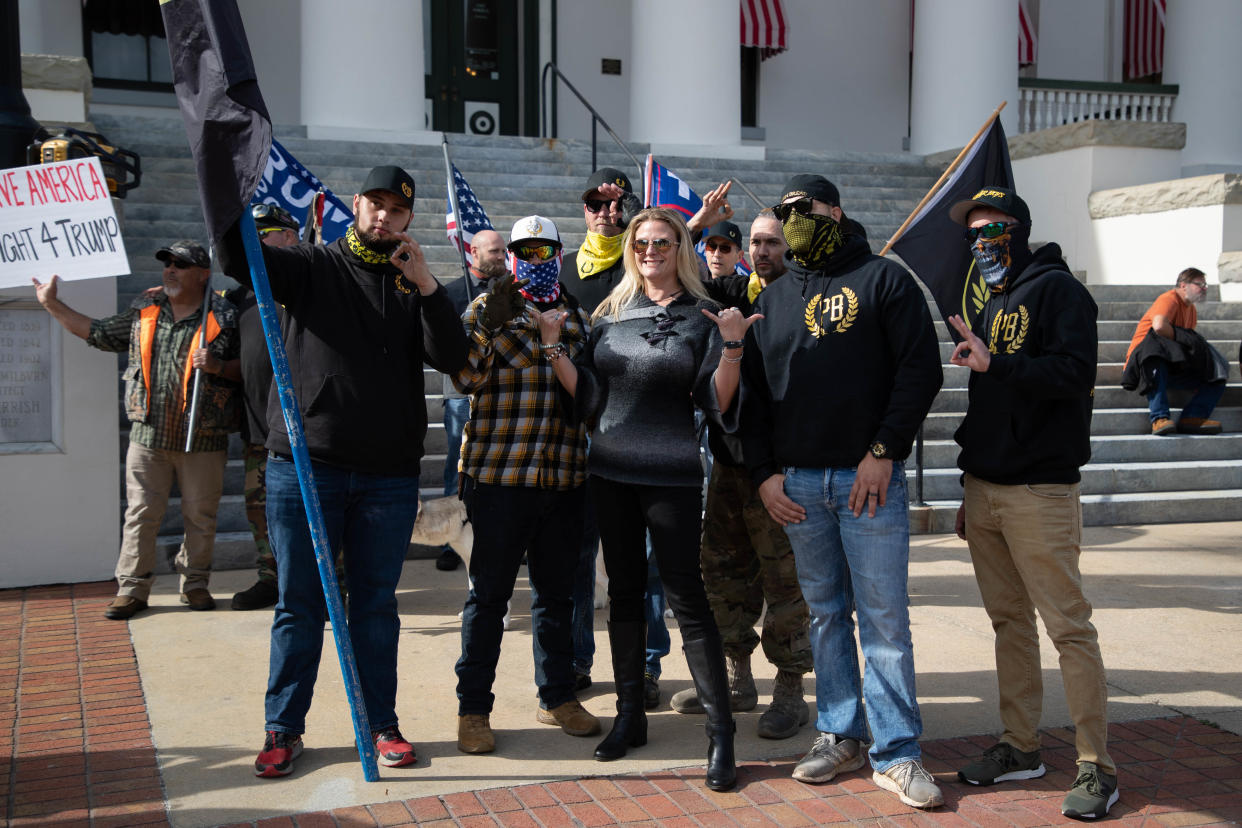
<point x="79" y="752"/>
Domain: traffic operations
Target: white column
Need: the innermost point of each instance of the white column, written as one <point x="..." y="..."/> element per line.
<point x="362" y="68"/>
<point x="685" y="80"/>
<point x="51" y="27"/>
<point x="1201" y="56"/>
<point x="965" y="64"/>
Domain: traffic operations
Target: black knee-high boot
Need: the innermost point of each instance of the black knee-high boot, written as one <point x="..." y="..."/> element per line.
<point x="705" y="657"/>
<point x="628" y="640"/>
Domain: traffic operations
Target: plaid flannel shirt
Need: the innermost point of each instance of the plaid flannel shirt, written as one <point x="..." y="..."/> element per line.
<point x="519" y="432"/>
<point x="174" y="340"/>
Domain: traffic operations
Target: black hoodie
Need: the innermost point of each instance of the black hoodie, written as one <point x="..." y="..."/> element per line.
<point x="870" y="374"/>
<point x="1029" y="418"/>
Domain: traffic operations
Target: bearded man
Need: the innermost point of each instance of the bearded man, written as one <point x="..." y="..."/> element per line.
<point x="362" y="316"/>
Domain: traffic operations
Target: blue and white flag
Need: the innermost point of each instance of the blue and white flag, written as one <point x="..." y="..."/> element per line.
<point x="288" y="184"/>
<point x="473" y="217"/>
<point x="662" y="188"/>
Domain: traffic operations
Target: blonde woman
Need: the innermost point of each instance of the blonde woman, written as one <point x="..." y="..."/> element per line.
<point x="659" y="347"/>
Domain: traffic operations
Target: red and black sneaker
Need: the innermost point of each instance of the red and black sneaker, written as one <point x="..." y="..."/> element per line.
<point x="394" y="751"/>
<point x="279" y="751"/>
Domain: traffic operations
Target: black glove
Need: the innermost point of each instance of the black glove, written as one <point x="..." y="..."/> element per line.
<point x="503" y="302"/>
<point x="630" y="207"/>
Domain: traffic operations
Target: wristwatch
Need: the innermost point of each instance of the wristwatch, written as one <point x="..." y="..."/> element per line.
<point x="878" y="450"/>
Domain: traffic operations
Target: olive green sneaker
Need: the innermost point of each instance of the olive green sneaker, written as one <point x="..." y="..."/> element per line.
<point x="1002" y="763"/>
<point x="1094" y="792"/>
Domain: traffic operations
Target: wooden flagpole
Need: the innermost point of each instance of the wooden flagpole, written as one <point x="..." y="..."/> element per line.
<point x="945" y="177"/>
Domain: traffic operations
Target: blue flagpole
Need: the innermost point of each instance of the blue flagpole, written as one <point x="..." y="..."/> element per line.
<point x="310" y="496"/>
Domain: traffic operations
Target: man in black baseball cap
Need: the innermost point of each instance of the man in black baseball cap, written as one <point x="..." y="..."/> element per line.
<point x="722" y="247"/>
<point x="276" y="226"/>
<point x="842" y="317"/>
<point x="1025" y="437"/>
<point x="161" y="331"/>
<point x="362" y="316"/>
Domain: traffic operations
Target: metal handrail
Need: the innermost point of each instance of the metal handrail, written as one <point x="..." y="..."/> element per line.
<point x="596" y="118"/>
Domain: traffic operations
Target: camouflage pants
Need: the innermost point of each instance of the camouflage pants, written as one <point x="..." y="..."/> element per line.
<point x="746" y="560"/>
<point x="255" y="490"/>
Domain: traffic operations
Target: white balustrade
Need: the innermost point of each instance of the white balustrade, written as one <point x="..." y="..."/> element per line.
<point x="1045" y="107"/>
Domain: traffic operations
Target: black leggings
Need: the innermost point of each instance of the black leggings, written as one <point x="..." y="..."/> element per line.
<point x="673" y="515"/>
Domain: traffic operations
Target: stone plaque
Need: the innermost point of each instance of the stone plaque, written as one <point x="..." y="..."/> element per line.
<point x="25" y="376"/>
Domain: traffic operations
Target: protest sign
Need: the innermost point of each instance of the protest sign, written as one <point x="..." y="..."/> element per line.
<point x="58" y="219"/>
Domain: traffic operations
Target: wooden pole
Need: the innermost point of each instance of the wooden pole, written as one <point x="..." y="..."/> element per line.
<point x="948" y="172"/>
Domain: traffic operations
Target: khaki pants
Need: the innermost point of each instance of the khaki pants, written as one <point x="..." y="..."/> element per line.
<point x="149" y="477"/>
<point x="1024" y="544"/>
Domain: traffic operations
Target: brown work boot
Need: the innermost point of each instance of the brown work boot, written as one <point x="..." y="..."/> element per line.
<point x="787" y="712"/>
<point x="198" y="599"/>
<point x="1163" y="425"/>
<point x="123" y="607"/>
<point x="742" y="693"/>
<point x="571" y="717"/>
<point x="474" y="733"/>
<point x="1198" y="425"/>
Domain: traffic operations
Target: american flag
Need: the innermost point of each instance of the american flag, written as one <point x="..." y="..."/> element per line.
<point x="1028" y="43"/>
<point x="473" y="217"/>
<point x="1144" y="44"/>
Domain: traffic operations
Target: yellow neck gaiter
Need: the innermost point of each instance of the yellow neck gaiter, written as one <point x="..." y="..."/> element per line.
<point x="362" y="251"/>
<point x="598" y="253"/>
<point x="753" y="288"/>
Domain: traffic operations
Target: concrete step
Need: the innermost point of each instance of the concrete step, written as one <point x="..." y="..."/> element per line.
<point x="1104" y="421"/>
<point x="1111" y="478"/>
<point x="1106" y="396"/>
<point x="1122" y="448"/>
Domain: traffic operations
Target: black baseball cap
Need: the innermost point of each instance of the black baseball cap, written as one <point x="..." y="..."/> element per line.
<point x="273" y="217"/>
<point x="606" y="175"/>
<point x="185" y="250"/>
<point x="393" y="179"/>
<point x="1001" y="198"/>
<point x="812" y="186"/>
<point x="725" y="230"/>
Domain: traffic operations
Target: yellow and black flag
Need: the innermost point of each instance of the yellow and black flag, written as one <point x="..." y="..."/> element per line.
<point x="226" y="120"/>
<point x="932" y="245"/>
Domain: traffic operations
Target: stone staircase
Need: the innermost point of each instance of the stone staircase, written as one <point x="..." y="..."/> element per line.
<point x="1200" y="478"/>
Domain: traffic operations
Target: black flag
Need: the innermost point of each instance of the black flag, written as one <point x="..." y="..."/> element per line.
<point x="226" y="120"/>
<point x="933" y="246"/>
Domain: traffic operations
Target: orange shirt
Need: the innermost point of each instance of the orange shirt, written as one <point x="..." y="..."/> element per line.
<point x="1170" y="305"/>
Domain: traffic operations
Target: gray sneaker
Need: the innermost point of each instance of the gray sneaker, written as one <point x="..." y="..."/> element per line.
<point x="913" y="785"/>
<point x="1094" y="792"/>
<point x="829" y="756"/>
<point x="1002" y="763"/>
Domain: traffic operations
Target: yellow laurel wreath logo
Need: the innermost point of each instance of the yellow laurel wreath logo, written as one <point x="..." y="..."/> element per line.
<point x="1023" y="326"/>
<point x="851" y="310"/>
<point x="812" y="323"/>
<point x="405" y="190"/>
<point x="994" y="333"/>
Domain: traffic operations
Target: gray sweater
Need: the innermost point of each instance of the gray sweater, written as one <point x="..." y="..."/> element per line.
<point x="638" y="384"/>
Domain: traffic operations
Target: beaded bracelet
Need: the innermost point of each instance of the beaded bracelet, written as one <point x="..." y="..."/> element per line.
<point x="554" y="351"/>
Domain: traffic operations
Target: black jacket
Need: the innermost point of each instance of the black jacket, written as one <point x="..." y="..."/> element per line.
<point x="843" y="357"/>
<point x="1187" y="354"/>
<point x="357" y="337"/>
<point x="1029" y="416"/>
<point x="256" y="365"/>
<point x="590" y="292"/>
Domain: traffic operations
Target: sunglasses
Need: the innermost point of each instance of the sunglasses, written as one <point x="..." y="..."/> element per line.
<point x="723" y="247"/>
<point x="659" y="245"/>
<point x="535" y="251"/>
<point x="594" y="205"/>
<point x="993" y="230"/>
<point x="802" y="206"/>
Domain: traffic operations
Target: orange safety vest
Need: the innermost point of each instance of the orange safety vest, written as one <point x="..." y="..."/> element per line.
<point x="146" y="338"/>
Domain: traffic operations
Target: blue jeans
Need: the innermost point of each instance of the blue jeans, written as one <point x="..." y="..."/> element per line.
<point x="1201" y="405"/>
<point x="658" y="642"/>
<point x="510" y="521"/>
<point x="584" y="588"/>
<point x="456" y="412"/>
<point x="371" y="517"/>
<point x="848" y="564"/>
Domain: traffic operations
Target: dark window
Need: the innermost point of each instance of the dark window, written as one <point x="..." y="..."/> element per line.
<point x="750" y="86"/>
<point x="125" y="45"/>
